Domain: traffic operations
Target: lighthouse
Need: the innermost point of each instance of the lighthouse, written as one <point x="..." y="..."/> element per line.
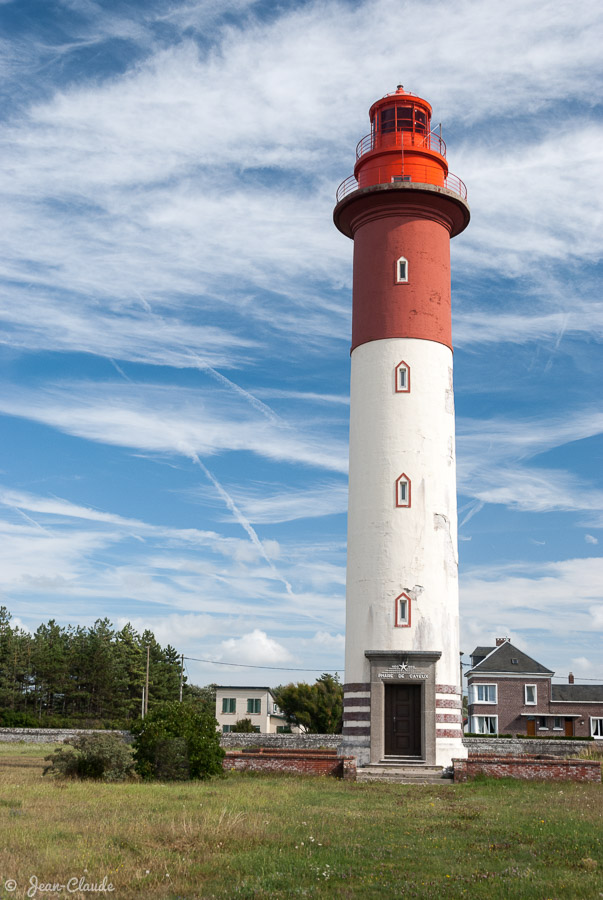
<point x="401" y="207"/>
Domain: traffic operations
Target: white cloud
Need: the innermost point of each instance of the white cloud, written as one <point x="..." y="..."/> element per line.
<point x="590" y="539"/>
<point x="254" y="648"/>
<point x="261" y="505"/>
<point x="330" y="641"/>
<point x="170" y="420"/>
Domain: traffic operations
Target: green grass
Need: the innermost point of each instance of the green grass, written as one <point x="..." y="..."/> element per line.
<point x="249" y="836"/>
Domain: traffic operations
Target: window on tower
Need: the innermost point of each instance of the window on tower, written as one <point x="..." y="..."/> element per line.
<point x="402" y="378"/>
<point x="403" y="491"/>
<point x="402" y="611"/>
<point x="401" y="270"/>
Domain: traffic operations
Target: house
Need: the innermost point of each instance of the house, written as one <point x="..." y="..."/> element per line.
<point x="255" y="703"/>
<point x="511" y="693"/>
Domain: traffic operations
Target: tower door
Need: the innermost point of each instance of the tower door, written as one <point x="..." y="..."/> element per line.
<point x="402" y="720"/>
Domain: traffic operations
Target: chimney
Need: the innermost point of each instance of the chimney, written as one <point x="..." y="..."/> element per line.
<point x="500" y="641"/>
<point x="570" y="678"/>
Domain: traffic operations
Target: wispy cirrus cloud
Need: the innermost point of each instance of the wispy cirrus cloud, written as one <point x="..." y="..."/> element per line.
<point x="167" y="420"/>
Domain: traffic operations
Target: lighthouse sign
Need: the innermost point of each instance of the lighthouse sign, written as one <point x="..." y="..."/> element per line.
<point x="403" y="670"/>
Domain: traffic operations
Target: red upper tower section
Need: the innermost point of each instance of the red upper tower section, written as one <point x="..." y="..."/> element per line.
<point x="401" y="206"/>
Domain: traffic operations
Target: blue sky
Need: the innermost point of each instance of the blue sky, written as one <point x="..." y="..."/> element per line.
<point x="175" y="316"/>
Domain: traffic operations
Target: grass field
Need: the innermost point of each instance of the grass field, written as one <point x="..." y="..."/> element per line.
<point x="248" y="836"/>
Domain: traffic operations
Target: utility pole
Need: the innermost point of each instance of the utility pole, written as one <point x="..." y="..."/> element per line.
<point x="181" y="677"/>
<point x="146" y="689"/>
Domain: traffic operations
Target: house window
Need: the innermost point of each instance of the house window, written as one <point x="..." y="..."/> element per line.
<point x="254" y="707"/>
<point x="283" y="729"/>
<point x="227" y="729"/>
<point x="514" y="662"/>
<point x="485" y="693"/>
<point x="530" y="695"/>
<point x="401" y="271"/>
<point x="485" y="724"/>
<point x="557" y="724"/>
<point x="542" y="725"/>
<point x="402" y="378"/>
<point x="403" y="611"/>
<point x="229" y="704"/>
<point x="403" y="490"/>
<point x="596" y="728"/>
<point x="256" y="728"/>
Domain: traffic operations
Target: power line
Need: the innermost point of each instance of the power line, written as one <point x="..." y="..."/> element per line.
<point x="217" y="662"/>
<point x="576" y="677"/>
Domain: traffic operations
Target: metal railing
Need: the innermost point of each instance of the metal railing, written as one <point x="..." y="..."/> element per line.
<point x="383" y="141"/>
<point x="452" y="183"/>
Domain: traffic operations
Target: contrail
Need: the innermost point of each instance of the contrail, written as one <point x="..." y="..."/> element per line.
<point x="243" y="522"/>
<point x="221" y="379"/>
<point x="29" y="519"/>
<point x="477" y="507"/>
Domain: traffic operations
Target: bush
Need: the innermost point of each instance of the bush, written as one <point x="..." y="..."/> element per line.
<point x="105" y="757"/>
<point x="476" y="734"/>
<point x="554" y="737"/>
<point x="174" y="736"/>
<point x="243" y="726"/>
<point x="171" y="760"/>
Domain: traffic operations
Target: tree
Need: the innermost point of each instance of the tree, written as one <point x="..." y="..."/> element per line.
<point x="173" y="732"/>
<point x="206" y="696"/>
<point x="318" y="707"/>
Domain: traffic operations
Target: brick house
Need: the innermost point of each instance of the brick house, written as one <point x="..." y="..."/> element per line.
<point x="255" y="703"/>
<point x="511" y="693"/>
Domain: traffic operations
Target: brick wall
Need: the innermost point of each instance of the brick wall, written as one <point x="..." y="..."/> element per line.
<point x="528" y="768"/>
<point x="292" y="762"/>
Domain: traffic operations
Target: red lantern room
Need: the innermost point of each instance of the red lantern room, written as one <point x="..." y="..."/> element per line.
<point x="401" y="147"/>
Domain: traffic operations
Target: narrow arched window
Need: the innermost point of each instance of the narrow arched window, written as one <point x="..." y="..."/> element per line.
<point x="402" y="611"/>
<point x="402" y="378"/>
<point x="403" y="490"/>
<point x="401" y="270"/>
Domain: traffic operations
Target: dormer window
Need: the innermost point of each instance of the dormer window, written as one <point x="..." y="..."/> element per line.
<point x="403" y="490"/>
<point x="402" y="270"/>
<point x="402" y="378"/>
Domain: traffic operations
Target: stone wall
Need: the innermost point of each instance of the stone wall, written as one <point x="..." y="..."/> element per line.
<point x="528" y="768"/>
<point x="524" y="747"/>
<point x="281" y="741"/>
<point x="52" y="735"/>
<point x="292" y="762"/>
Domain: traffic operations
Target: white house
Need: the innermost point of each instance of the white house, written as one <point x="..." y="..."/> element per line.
<point x="256" y="703"/>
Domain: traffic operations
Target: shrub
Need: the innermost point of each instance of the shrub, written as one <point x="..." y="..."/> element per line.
<point x="554" y="737"/>
<point x="105" y="757"/>
<point x="174" y="735"/>
<point x="171" y="760"/>
<point x="469" y="734"/>
<point x="243" y="726"/>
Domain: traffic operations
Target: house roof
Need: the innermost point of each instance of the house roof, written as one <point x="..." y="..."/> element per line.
<point x="499" y="660"/>
<point x="482" y="651"/>
<point x="242" y="687"/>
<point x="577" y="693"/>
